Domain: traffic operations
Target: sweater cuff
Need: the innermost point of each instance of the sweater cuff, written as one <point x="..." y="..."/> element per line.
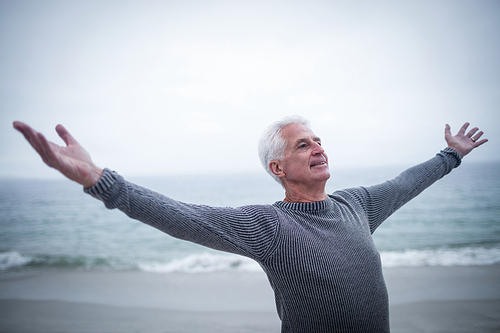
<point x="107" y="180"/>
<point x="452" y="152"/>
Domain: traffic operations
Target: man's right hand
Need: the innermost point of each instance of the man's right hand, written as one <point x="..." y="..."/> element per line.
<point x="73" y="161"/>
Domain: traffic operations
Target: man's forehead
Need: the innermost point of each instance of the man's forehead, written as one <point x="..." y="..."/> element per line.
<point x="296" y="133"/>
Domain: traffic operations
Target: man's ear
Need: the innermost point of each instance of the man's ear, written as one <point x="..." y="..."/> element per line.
<point x="276" y="168"/>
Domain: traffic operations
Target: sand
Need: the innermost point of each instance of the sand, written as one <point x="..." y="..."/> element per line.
<point x="425" y="299"/>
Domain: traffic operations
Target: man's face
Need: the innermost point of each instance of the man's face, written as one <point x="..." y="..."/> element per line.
<point x="305" y="161"/>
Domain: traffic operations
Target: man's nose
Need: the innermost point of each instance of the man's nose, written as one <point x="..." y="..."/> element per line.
<point x="317" y="149"/>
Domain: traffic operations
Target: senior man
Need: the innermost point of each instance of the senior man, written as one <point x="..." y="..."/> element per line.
<point x="316" y="249"/>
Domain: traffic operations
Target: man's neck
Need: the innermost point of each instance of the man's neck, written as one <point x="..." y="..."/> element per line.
<point x="301" y="193"/>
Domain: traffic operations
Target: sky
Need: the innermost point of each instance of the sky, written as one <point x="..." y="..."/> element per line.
<point x="187" y="87"/>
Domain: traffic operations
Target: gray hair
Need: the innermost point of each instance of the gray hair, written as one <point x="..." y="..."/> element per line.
<point x="272" y="145"/>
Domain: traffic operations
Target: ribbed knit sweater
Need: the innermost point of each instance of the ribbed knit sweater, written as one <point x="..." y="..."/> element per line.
<point x="319" y="257"/>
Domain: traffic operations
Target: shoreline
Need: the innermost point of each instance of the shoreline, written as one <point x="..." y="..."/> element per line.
<point x="422" y="299"/>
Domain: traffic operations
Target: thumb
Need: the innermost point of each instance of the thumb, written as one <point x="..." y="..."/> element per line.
<point x="64" y="134"/>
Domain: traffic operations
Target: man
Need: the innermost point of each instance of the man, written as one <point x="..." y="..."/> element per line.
<point x="316" y="249"/>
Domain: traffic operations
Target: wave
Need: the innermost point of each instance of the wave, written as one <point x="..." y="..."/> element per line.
<point x="204" y="263"/>
<point x="208" y="263"/>
<point x="194" y="263"/>
<point x="465" y="256"/>
<point x="12" y="259"/>
<point x="15" y="260"/>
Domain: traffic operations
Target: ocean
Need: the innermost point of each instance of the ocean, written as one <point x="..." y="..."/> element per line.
<point x="52" y="224"/>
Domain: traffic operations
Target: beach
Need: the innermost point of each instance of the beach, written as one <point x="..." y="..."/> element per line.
<point x="422" y="299"/>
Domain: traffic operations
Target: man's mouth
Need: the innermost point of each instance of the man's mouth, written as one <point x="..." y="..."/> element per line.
<point x="317" y="164"/>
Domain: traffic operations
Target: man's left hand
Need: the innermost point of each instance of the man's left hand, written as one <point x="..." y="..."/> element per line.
<point x="464" y="143"/>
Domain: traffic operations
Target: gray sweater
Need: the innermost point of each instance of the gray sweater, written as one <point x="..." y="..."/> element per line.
<point x="319" y="257"/>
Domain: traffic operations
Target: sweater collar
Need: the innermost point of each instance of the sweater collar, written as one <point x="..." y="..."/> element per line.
<point x="305" y="206"/>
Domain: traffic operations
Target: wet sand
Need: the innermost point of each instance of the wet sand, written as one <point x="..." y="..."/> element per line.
<point x="425" y="299"/>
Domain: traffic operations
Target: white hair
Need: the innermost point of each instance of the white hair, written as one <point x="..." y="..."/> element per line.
<point x="272" y="145"/>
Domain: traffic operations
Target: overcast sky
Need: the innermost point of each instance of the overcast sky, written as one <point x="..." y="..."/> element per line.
<point x="166" y="87"/>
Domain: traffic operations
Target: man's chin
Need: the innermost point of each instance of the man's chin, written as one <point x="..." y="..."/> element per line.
<point x="323" y="177"/>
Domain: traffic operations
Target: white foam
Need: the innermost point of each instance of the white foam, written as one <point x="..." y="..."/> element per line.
<point x="208" y="262"/>
<point x="12" y="259"/>
<point x="204" y="263"/>
<point x="467" y="256"/>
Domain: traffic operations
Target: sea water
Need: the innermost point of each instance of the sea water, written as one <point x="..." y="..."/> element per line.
<point x="46" y="224"/>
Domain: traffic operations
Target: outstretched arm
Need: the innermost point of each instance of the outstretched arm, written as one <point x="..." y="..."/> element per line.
<point x="73" y="161"/>
<point x="464" y="143"/>
<point x="380" y="201"/>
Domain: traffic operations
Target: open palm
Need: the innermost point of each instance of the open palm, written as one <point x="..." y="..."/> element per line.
<point x="464" y="143"/>
<point x="73" y="161"/>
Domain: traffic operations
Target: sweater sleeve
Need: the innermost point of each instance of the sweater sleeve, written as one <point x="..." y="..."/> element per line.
<point x="247" y="230"/>
<point x="379" y="201"/>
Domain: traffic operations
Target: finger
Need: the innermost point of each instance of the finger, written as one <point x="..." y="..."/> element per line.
<point x="39" y="143"/>
<point x="477" y="136"/>
<point x="48" y="156"/>
<point x="478" y="143"/>
<point x="29" y="134"/>
<point x="65" y="135"/>
<point x="23" y="129"/>
<point x="464" y="128"/>
<point x="447" y="130"/>
<point x="18" y="125"/>
<point x="472" y="131"/>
